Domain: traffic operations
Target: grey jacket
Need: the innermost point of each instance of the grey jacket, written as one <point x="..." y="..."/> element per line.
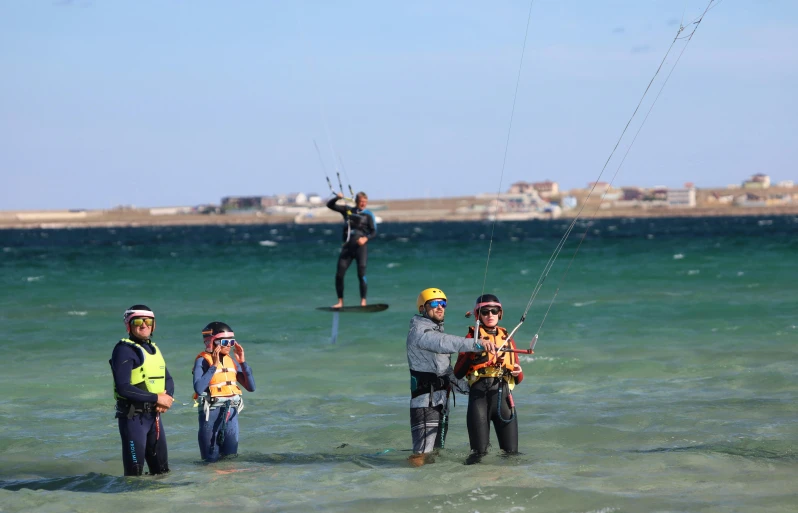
<point x="429" y="349"/>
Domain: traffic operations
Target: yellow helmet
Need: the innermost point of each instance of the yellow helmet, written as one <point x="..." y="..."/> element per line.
<point x="427" y="295"/>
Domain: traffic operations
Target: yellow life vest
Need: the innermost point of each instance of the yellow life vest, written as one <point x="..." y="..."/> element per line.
<point x="224" y="382"/>
<point x="490" y="365"/>
<point x="151" y="374"/>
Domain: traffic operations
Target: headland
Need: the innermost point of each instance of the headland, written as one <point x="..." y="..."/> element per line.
<point x="466" y="208"/>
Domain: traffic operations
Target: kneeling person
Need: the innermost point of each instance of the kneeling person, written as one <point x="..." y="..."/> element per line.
<point x="216" y="375"/>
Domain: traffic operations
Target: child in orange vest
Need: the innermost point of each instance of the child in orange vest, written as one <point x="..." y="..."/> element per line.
<point x="216" y="378"/>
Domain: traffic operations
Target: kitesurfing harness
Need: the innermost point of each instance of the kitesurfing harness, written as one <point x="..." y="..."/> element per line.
<point x="223" y="389"/>
<point x="481" y="365"/>
<point x="428" y="383"/>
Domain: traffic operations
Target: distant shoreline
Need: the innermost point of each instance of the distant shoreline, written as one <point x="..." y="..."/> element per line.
<point x="390" y="211"/>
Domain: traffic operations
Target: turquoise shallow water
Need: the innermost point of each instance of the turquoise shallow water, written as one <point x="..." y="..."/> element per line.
<point x="664" y="378"/>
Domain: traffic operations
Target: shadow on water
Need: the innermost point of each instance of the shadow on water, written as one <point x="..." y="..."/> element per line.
<point x="773" y="450"/>
<point x="88" y="483"/>
<point x="383" y="458"/>
<point x="380" y="459"/>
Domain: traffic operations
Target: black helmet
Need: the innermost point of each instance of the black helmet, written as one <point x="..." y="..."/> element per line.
<point x="214" y="328"/>
<point x="487" y="300"/>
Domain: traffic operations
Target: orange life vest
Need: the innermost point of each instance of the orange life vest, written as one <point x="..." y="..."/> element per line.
<point x="489" y="365"/>
<point x="223" y="382"/>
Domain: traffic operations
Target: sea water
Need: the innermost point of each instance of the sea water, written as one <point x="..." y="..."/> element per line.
<point x="664" y="378"/>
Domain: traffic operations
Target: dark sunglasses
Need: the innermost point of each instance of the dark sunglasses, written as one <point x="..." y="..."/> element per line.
<point x="493" y="311"/>
<point x="138" y="322"/>
<point x="225" y="342"/>
<point x="435" y="303"/>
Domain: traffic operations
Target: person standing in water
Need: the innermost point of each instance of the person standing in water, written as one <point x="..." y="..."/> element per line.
<point x="143" y="389"/>
<point x="429" y="352"/>
<point x="359" y="227"/>
<point x="219" y="397"/>
<point x="491" y="377"/>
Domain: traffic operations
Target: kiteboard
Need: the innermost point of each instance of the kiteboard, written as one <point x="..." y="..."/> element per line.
<point x="379" y="307"/>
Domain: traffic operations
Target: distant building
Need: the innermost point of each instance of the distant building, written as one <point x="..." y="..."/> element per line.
<point x="786" y="184"/>
<point x="723" y="199"/>
<point x="170" y="211"/>
<point x="633" y="194"/>
<point x="520" y="188"/>
<point x="299" y="198"/>
<point x="658" y="193"/>
<point x="681" y="198"/>
<point x="568" y="203"/>
<point x="247" y="202"/>
<point x="757" y="181"/>
<point x="598" y="186"/>
<point x="751" y="200"/>
<point x="544" y="189"/>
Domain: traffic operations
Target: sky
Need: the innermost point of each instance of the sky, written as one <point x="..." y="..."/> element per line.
<point x="182" y="102"/>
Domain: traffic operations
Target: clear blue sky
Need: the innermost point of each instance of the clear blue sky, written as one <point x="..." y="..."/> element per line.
<point x="177" y="102"/>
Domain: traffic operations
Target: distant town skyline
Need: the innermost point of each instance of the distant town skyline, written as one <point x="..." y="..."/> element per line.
<point x="407" y="100"/>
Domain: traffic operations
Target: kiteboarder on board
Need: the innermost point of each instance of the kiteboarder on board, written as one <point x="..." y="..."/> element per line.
<point x="359" y="227"/>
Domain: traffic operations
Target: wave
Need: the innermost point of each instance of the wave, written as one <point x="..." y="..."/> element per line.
<point x="92" y="482"/>
<point x="755" y="450"/>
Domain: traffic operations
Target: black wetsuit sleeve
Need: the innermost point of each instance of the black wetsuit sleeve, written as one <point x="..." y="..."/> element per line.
<point x="123" y="360"/>
<point x="170" y="383"/>
<point x="341" y="209"/>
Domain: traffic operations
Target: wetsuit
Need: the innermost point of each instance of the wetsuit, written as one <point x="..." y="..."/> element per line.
<point x="218" y="432"/>
<point x="357" y="223"/>
<point x="140" y="426"/>
<point x="488" y="394"/>
<point x="431" y="378"/>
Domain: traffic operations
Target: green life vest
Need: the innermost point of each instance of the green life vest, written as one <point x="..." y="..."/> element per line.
<point x="151" y="374"/>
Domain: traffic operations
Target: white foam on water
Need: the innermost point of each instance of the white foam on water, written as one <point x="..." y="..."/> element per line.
<point x="268" y="243"/>
<point x="34" y="278"/>
<point x="78" y="313"/>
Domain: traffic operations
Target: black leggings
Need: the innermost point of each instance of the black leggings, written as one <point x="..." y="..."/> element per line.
<point x="482" y="409"/>
<point x="351" y="251"/>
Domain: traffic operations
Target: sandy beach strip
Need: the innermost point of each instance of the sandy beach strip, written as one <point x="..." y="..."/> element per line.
<point x="400" y="211"/>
